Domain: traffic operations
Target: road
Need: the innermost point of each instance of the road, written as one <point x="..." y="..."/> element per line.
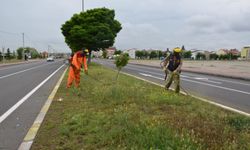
<point x="225" y="91"/>
<point x="24" y="89"/>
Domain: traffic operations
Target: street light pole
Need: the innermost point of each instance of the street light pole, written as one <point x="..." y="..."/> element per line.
<point x="23" y="46"/>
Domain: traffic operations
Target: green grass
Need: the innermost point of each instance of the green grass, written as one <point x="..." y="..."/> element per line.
<point x="133" y="114"/>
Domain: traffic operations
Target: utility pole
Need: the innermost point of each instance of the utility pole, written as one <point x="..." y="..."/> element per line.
<point x="3" y="53"/>
<point x="48" y="50"/>
<point x="82" y="5"/>
<point x="23" y="46"/>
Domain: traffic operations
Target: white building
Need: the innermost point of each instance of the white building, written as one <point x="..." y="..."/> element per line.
<point x="195" y="52"/>
<point x="131" y="53"/>
<point x="97" y="54"/>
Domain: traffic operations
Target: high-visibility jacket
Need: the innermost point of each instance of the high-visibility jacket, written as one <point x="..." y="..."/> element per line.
<point x="78" y="60"/>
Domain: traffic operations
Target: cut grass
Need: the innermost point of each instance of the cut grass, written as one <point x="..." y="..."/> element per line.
<point x="133" y="114"/>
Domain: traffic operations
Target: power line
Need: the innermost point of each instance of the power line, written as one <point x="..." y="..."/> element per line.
<point x="10" y="33"/>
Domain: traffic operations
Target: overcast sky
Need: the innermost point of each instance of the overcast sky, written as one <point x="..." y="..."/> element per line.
<point x="157" y="24"/>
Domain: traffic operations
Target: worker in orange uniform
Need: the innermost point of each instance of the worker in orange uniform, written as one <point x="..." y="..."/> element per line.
<point x="79" y="59"/>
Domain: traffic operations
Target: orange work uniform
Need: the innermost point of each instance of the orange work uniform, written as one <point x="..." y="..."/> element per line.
<point x="78" y="60"/>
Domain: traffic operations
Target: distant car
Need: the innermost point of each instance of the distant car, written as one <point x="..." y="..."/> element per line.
<point x="50" y="59"/>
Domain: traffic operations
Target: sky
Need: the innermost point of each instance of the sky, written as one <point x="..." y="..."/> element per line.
<point x="146" y="24"/>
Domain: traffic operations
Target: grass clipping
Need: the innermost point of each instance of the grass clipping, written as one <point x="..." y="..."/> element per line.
<point x="136" y="115"/>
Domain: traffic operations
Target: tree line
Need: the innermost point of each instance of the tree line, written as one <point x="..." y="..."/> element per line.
<point x="158" y="54"/>
<point x="18" y="54"/>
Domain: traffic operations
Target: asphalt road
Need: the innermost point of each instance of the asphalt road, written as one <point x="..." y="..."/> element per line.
<point x="226" y="91"/>
<point x="23" y="91"/>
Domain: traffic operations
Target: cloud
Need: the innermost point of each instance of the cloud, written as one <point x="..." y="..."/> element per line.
<point x="203" y="24"/>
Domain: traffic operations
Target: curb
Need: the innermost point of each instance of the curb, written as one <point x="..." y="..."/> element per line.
<point x="198" y="72"/>
<point x="30" y="136"/>
<point x="199" y="98"/>
<point x="17" y="63"/>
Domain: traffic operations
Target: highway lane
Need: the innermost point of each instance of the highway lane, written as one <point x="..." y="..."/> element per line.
<point x="226" y="91"/>
<point x="16" y="83"/>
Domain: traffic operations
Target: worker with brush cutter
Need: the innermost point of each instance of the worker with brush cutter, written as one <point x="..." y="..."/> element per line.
<point x="172" y="67"/>
<point x="78" y="59"/>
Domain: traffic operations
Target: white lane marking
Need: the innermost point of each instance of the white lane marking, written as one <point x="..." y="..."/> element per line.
<point x="22" y="71"/>
<point x="213" y="78"/>
<point x="201" y="78"/>
<point x="18" y="65"/>
<point x="13" y="108"/>
<point x="147" y="75"/>
<point x="221" y="87"/>
<point x="206" y="80"/>
<point x="223" y="80"/>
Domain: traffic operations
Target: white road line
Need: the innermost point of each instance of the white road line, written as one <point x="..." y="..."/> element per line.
<point x="223" y="80"/>
<point x="2" y="77"/>
<point x="18" y="65"/>
<point x="211" y="77"/>
<point x="13" y="108"/>
<point x="221" y="87"/>
<point x="202" y="79"/>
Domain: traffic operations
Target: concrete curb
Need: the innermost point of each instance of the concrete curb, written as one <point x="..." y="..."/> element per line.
<point x="199" y="72"/>
<point x="30" y="136"/>
<point x="17" y="63"/>
<point x="199" y="98"/>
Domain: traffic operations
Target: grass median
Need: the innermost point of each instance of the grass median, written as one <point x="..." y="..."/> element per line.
<point x="133" y="114"/>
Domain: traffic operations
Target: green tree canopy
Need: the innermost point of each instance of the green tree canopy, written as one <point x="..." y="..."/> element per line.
<point x="153" y="54"/>
<point x="94" y="29"/>
<point x="187" y="54"/>
<point x="28" y="50"/>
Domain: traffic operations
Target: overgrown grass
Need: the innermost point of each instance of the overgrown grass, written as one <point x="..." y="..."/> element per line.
<point x="133" y="114"/>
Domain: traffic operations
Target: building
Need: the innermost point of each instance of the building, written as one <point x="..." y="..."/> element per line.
<point x="97" y="54"/>
<point x="234" y="52"/>
<point x="110" y="52"/>
<point x="45" y="54"/>
<point x="222" y="52"/>
<point x="131" y="52"/>
<point x="245" y="52"/>
<point x="195" y="52"/>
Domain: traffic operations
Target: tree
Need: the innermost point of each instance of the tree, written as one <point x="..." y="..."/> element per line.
<point x="145" y="54"/>
<point x="183" y="48"/>
<point x="1" y="56"/>
<point x="28" y="50"/>
<point x="213" y="56"/>
<point x="120" y="62"/>
<point x="200" y="56"/>
<point x="14" y="54"/>
<point x="160" y="54"/>
<point x="20" y="53"/>
<point x="187" y="54"/>
<point x="32" y="52"/>
<point x="118" y="52"/>
<point x="104" y="54"/>
<point x="8" y="54"/>
<point x="94" y="29"/>
<point x="153" y="54"/>
<point x="139" y="54"/>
